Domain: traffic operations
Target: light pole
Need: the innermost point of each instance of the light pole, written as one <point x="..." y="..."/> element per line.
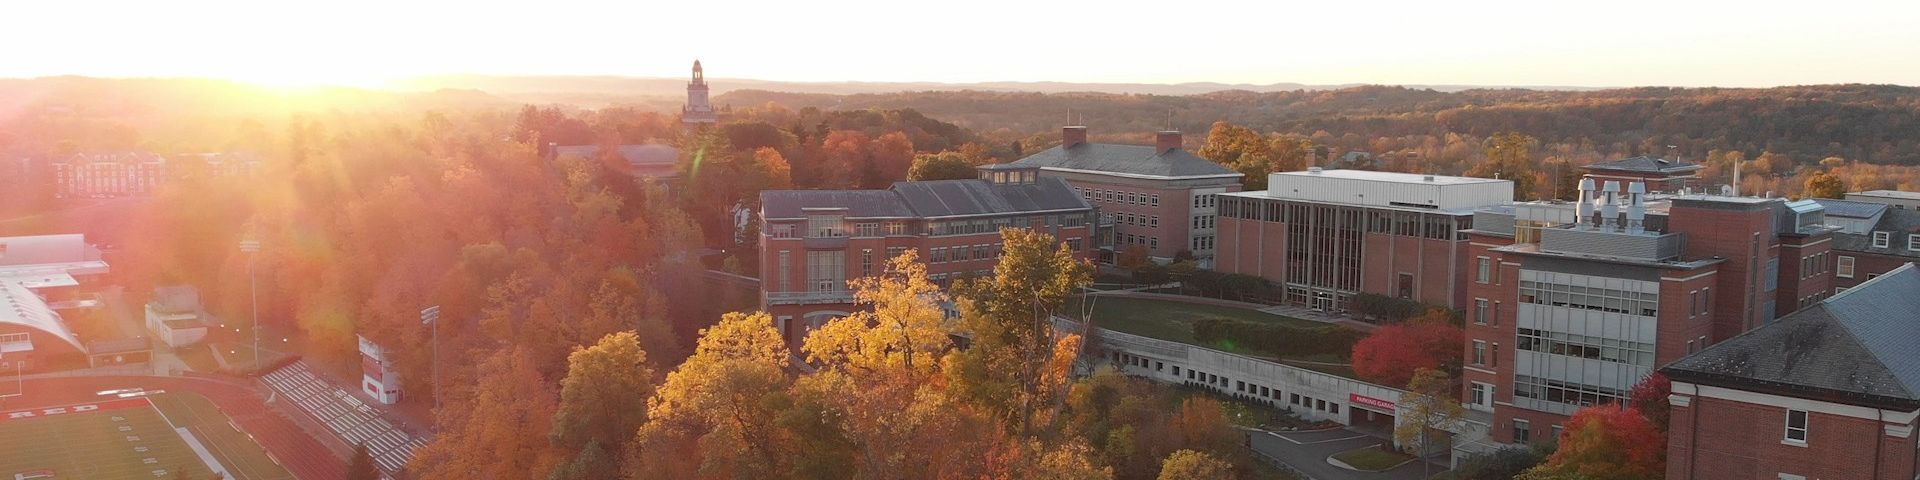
<point x="252" y="249"/>
<point x="431" y="316"/>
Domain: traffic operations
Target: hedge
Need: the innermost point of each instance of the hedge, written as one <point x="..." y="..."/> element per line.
<point x="1279" y="340"/>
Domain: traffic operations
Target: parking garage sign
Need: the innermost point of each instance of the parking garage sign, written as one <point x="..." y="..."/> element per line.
<point x="1371" y="403"/>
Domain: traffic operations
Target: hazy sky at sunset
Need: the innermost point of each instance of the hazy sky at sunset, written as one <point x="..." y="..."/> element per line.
<point x="1611" y="43"/>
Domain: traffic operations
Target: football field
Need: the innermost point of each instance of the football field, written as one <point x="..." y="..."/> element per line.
<point x="130" y="438"/>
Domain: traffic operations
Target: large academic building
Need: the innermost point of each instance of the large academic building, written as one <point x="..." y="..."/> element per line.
<point x="1829" y="392"/>
<point x="1570" y="304"/>
<point x="1157" y="197"/>
<point x="813" y="241"/>
<point x="1327" y="235"/>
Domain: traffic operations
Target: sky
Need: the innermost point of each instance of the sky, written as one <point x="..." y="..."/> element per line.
<point x="1532" y="43"/>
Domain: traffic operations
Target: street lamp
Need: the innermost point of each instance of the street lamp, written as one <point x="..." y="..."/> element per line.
<point x="431" y="316"/>
<point x="252" y="249"/>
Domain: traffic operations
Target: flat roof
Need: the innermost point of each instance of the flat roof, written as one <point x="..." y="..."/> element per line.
<point x="1889" y="194"/>
<point x="1394" y="177"/>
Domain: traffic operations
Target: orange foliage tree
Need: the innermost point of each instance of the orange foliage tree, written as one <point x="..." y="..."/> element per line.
<point x="1606" y="442"/>
<point x="1392" y="353"/>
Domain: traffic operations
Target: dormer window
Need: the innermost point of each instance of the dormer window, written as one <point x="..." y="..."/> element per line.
<point x="1913" y="242"/>
<point x="1881" y="239"/>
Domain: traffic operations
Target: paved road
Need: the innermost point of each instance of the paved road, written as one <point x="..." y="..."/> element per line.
<point x="1308" y="452"/>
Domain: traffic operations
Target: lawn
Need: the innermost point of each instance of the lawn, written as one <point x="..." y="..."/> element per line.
<point x="1168" y="320"/>
<point x="124" y="439"/>
<point x="1372" y="458"/>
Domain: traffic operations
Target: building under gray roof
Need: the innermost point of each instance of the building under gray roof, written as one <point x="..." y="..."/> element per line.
<point x="1851" y="209"/>
<point x="1857" y="348"/>
<point x="1126" y="160"/>
<point x="644" y="160"/>
<point x="1897" y="222"/>
<point x="1646" y="164"/>
<point x="939" y="198"/>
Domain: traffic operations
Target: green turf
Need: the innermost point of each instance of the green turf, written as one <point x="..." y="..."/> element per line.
<point x="1169" y="320"/>
<point x="91" y="446"/>
<point x="1372" y="458"/>
<point x="243" y="457"/>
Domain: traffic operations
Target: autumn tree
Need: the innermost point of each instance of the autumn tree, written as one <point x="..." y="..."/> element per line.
<point x="1509" y="157"/>
<point x="603" y="397"/>
<point x="1429" y="409"/>
<point x="940" y="166"/>
<point x="1649" y="397"/>
<point x="1192" y="465"/>
<point x="1242" y="150"/>
<point x="498" y="428"/>
<point x="892" y="156"/>
<point x="774" y="167"/>
<point x="1291" y="154"/>
<point x="1606" y="442"/>
<point x="845" y="160"/>
<point x="716" y="415"/>
<point x="1825" y="185"/>
<point x="1016" y="363"/>
<point x="1391" y="354"/>
<point x="903" y="328"/>
<point x="361" y="466"/>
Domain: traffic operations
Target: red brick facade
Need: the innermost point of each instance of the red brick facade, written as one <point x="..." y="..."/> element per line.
<point x="1744" y="439"/>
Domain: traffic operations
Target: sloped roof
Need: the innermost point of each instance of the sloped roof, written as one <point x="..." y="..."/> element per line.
<point x="1857" y="347"/>
<point x="1897" y="221"/>
<point x="938" y="198"/>
<point x="1851" y="209"/>
<point x="1646" y="164"/>
<point x="1134" y="160"/>
<point x="943" y="198"/>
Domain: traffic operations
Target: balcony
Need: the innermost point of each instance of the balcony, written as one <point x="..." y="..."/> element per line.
<point x="809" y="298"/>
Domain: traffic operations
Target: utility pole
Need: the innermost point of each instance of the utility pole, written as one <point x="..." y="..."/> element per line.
<point x="431" y="316"/>
<point x="252" y="249"/>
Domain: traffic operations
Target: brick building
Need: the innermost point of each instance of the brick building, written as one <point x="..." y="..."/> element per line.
<point x="813" y="241"/>
<point x="1160" y="197"/>
<point x="107" y="174"/>
<point x="1877" y="234"/>
<point x="1326" y="235"/>
<point x="1829" y="392"/>
<point x="1572" y="303"/>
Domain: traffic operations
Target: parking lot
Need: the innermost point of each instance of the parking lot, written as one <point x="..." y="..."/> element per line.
<point x="1308" y="452"/>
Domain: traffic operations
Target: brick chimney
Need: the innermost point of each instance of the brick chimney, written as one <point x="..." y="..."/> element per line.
<point x="1166" y="141"/>
<point x="1072" y="135"/>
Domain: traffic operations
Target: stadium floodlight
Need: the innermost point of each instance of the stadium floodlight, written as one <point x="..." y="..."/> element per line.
<point x="431" y="316"/>
<point x="252" y="248"/>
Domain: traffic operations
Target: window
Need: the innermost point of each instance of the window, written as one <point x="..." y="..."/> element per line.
<point x="895" y="252"/>
<point x="1153" y="243"/>
<point x="1156" y="201"/>
<point x="866" y="229"/>
<point x="1480" y="311"/>
<point x="1796" y="426"/>
<point x="1479" y="353"/>
<point x="781" y="230"/>
<point x="1522" y="431"/>
<point x="1881" y="239"/>
<point x="1486" y="270"/>
<point x="1482" y="394"/>
<point x="786" y="277"/>
<point x="1153" y="221"/>
<point x="827" y="271"/>
<point x="866" y="262"/>
<point x="1843" y="268"/>
<point x="1913" y="241"/>
<point x="819" y="226"/>
<point x="896" y="228"/>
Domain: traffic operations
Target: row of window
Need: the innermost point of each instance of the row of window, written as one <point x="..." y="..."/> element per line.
<point x="1125" y="239"/>
<point x="1570" y="393"/>
<point x="1813" y="265"/>
<point x="1115" y="196"/>
<point x="1202" y="243"/>
<point x="830" y="226"/>
<point x="1523" y="431"/>
<point x="1586" y="346"/>
<point x="1486" y="272"/>
<point x="1207" y="200"/>
<point x="1138" y="220"/>
<point x="1202" y="222"/>
<point x="1239" y="386"/>
<point x="1440" y="226"/>
<point x="1590" y="298"/>
<point x="1885" y="239"/>
<point x="963" y="253"/>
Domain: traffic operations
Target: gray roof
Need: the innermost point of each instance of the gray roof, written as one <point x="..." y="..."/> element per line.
<point x="1135" y="160"/>
<point x="1897" y="221"/>
<point x="1646" y="164"/>
<point x="1856" y="348"/>
<point x="1851" y="209"/>
<point x="651" y="157"/>
<point x="938" y="198"/>
<point x="942" y="198"/>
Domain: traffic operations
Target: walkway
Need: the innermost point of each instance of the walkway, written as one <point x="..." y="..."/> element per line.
<point x="1307" y="453"/>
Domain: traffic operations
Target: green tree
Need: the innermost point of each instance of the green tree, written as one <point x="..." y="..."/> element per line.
<point x="1014" y="364"/>
<point x="361" y="466"/>
<point x="1509" y="157"/>
<point x="1241" y="149"/>
<point x="1192" y="465"/>
<point x="1430" y="409"/>
<point x="603" y="397"/>
<point x="1825" y="185"/>
<point x="947" y="165"/>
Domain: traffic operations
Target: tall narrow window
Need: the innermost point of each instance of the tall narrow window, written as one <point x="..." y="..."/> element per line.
<point x="1479" y="352"/>
<point x="1796" y="426"/>
<point x="1486" y="270"/>
<point x="1480" y="313"/>
<point x="866" y="262"/>
<point x="1844" y="267"/>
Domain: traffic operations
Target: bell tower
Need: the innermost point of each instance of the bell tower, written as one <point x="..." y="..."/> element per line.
<point x="697" y="111"/>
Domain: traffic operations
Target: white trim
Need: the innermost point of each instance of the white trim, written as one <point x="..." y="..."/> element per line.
<point x="1817" y="242"/>
<point x="1814" y="406"/>
<point x="1684" y="279"/>
<point x="1481" y="370"/>
<point x="1144" y="176"/>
